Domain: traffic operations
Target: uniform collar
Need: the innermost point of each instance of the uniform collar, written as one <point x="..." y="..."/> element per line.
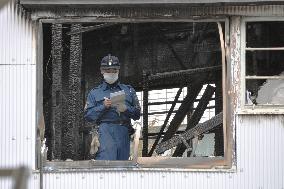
<point x="107" y="86"/>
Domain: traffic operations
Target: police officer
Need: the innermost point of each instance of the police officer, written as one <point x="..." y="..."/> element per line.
<point x="114" y="121"/>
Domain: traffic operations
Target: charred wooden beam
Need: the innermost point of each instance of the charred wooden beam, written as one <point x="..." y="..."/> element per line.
<point x="183" y="109"/>
<point x="218" y="95"/>
<point x="197" y="130"/>
<point x="74" y="117"/>
<point x="165" y="122"/>
<point x="196" y="116"/>
<point x="90" y="28"/>
<point x="56" y="91"/>
<point x="145" y="115"/>
<point x="65" y="79"/>
<point x="188" y="116"/>
<point x="172" y="79"/>
<point x="219" y="136"/>
<point x="182" y="73"/>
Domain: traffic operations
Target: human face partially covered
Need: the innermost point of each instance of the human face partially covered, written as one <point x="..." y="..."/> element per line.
<point x="110" y="75"/>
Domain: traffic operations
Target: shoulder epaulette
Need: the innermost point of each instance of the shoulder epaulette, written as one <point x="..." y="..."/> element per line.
<point x="131" y="89"/>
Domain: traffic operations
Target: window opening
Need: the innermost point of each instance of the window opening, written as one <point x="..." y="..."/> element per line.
<point x="264" y="54"/>
<point x="174" y="67"/>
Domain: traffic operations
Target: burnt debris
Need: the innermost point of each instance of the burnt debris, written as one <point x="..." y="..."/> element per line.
<point x="196" y="131"/>
<point x="154" y="56"/>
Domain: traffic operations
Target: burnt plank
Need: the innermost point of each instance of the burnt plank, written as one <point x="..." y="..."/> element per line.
<point x="183" y="109"/>
<point x="145" y="115"/>
<point x="75" y="105"/>
<point x="56" y="90"/>
<point x="197" y="130"/>
<point x="219" y="136"/>
<point x="182" y="74"/>
<point x="196" y="116"/>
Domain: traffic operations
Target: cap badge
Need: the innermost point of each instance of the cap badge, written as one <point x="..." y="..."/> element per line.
<point x="110" y="62"/>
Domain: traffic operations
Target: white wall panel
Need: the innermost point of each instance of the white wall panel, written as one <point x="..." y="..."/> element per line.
<point x="261" y="139"/>
<point x="16" y="37"/>
<point x="6" y="182"/>
<point x="17" y="115"/>
<point x="17" y="88"/>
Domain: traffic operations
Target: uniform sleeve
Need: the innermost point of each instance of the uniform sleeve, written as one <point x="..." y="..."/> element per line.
<point x="93" y="111"/>
<point x="134" y="110"/>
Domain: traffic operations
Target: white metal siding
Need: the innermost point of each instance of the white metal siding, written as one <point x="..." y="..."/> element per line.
<point x="260" y="140"/>
<point x="17" y="89"/>
<point x="6" y="182"/>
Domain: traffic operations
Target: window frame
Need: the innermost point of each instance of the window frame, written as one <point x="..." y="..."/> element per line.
<point x="256" y="109"/>
<point x="189" y="163"/>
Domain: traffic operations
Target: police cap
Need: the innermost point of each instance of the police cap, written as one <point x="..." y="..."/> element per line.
<point x="110" y="61"/>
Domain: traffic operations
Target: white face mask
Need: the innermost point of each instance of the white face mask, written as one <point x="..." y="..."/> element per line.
<point x="110" y="78"/>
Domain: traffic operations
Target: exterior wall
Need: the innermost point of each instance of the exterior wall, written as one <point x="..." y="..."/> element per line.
<point x="17" y="89"/>
<point x="259" y="138"/>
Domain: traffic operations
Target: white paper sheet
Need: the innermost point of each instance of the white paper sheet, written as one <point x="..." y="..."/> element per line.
<point x="117" y="98"/>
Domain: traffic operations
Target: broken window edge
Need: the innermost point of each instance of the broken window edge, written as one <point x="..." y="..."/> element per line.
<point x="189" y="163"/>
<point x="245" y="108"/>
<point x="171" y="162"/>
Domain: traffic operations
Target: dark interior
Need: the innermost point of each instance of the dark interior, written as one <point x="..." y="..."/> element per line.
<point x="153" y="55"/>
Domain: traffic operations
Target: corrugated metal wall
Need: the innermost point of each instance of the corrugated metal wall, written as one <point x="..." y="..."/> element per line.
<point x="17" y="89"/>
<point x="260" y="142"/>
<point x="17" y="92"/>
<point x="259" y="138"/>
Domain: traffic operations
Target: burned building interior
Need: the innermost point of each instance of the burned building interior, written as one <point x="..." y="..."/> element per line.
<point x="154" y="56"/>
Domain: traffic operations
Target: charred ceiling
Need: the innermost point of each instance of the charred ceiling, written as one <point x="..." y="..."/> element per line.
<point x="155" y="48"/>
<point x="65" y="12"/>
